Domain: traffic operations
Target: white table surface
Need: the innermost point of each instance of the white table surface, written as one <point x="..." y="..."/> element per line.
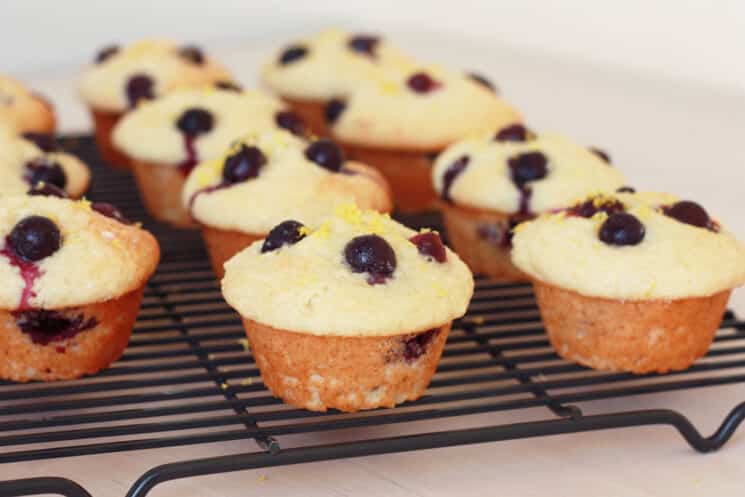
<point x="664" y="134"/>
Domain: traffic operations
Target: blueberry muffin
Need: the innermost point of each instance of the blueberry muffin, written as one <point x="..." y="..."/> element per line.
<point x="631" y="282"/>
<point x="24" y="111"/>
<point x="34" y="163"/>
<point x="489" y="184"/>
<point x="404" y="118"/>
<point x="310" y="72"/>
<point x="269" y="177"/>
<point x="166" y="138"/>
<point x="73" y="275"/>
<point x="120" y="77"/>
<point x="351" y="314"/>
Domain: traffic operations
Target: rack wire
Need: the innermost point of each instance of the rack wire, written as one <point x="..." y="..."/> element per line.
<point x="188" y="378"/>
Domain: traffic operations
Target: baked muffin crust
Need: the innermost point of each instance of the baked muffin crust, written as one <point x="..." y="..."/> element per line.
<point x="103" y="85"/>
<point x="150" y="133"/>
<point x="98" y="259"/>
<point x="18" y="156"/>
<point x="419" y="108"/>
<point x="22" y="110"/>
<point x="673" y="260"/>
<point x="327" y="65"/>
<point x="486" y="182"/>
<point x="288" y="186"/>
<point x="310" y="287"/>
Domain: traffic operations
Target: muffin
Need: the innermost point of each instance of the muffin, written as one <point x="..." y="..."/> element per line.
<point x="308" y="73"/>
<point x="352" y="314"/>
<point x="166" y="138"/>
<point x="633" y="282"/>
<point x="400" y="121"/>
<point x="35" y="163"/>
<point x="489" y="184"/>
<point x="119" y="78"/>
<point x="22" y="110"/>
<point x="73" y="275"/>
<point x="269" y="177"/>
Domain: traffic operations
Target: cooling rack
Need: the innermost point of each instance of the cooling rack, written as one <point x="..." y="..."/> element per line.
<point x="188" y="378"/>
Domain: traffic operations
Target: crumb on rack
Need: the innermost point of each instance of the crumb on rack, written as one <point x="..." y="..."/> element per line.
<point x="479" y="320"/>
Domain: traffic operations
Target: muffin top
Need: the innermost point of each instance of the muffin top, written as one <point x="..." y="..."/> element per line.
<point x="271" y="176"/>
<point x="330" y="64"/>
<point x="35" y="161"/>
<point x="356" y="274"/>
<point x="22" y="110"/>
<point x="121" y="77"/>
<point x="61" y="253"/>
<point x="417" y="108"/>
<point x="193" y="124"/>
<point x="514" y="170"/>
<point x="632" y="246"/>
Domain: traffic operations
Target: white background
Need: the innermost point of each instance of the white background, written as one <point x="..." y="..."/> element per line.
<point x="701" y="40"/>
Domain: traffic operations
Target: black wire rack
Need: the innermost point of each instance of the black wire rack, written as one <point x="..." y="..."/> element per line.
<point x="188" y="378"/>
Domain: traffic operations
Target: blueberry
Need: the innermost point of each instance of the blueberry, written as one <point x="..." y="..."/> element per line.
<point x="106" y="53"/>
<point x="243" y="164"/>
<point x="527" y="167"/>
<point x="590" y="207"/>
<point x="47" y="190"/>
<point x="108" y="210"/>
<point x="285" y="233"/>
<point x="196" y="121"/>
<point x="689" y="212"/>
<point x="326" y="154"/>
<point x="41" y="170"/>
<point x="513" y="133"/>
<point x="228" y="86"/>
<point x="417" y="345"/>
<point x="483" y="81"/>
<point x="43" y="141"/>
<point x="373" y="255"/>
<point x="290" y="121"/>
<point x="333" y="110"/>
<point x="35" y="238"/>
<point x="422" y="82"/>
<point x="601" y="153"/>
<point x="364" y="44"/>
<point x="622" y="229"/>
<point x="430" y="245"/>
<point x="193" y="54"/>
<point x="451" y="173"/>
<point x="492" y="233"/>
<point x="139" y="87"/>
<point x="513" y="222"/>
<point x="292" y="53"/>
<point x="44" y="326"/>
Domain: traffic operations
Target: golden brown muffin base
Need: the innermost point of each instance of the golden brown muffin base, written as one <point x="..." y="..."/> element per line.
<point x="484" y="256"/>
<point x="86" y="353"/>
<point x="104" y="123"/>
<point x="40" y="122"/>
<point x="346" y="373"/>
<point x="641" y="336"/>
<point x="160" y="187"/>
<point x="408" y="173"/>
<point x="312" y="112"/>
<point x="224" y="244"/>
